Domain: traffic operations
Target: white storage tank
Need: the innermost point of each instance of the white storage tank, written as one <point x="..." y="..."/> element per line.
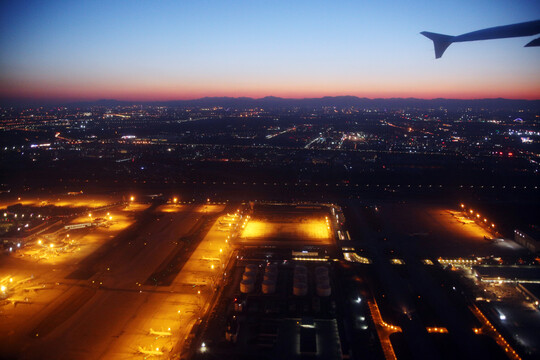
<point x="251" y="267"/>
<point x="321" y="270"/>
<point x="247" y="286"/>
<point x="300" y="278"/>
<point x="322" y="279"/>
<point x="270" y="276"/>
<point x="268" y="286"/>
<point x="323" y="290"/>
<point x="249" y="275"/>
<point x="300" y="289"/>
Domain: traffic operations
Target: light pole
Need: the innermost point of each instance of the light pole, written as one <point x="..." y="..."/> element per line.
<point x="199" y="302"/>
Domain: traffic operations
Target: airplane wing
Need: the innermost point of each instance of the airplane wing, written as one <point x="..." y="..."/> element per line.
<point x="535" y="42"/>
<point x="440" y="41"/>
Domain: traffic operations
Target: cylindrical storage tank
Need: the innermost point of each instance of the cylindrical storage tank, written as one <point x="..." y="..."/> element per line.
<point x="323" y="290"/>
<point x="247" y="286"/>
<point x="321" y="270"/>
<point x="271" y="268"/>
<point x="300" y="278"/>
<point x="270" y="276"/>
<point x="300" y="269"/>
<point x="249" y="275"/>
<point x="251" y="267"/>
<point x="268" y="286"/>
<point x="300" y="289"/>
<point x="322" y="279"/>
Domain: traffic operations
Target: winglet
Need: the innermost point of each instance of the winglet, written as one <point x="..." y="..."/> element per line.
<point x="440" y="41"/>
<point x="535" y="42"/>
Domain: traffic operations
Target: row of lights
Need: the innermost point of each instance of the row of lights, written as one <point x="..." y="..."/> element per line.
<point x="308" y="259"/>
<point x="511" y="353"/>
<point x="440" y="330"/>
<point x="22" y="215"/>
<point x="458" y="261"/>
<point x="355" y="185"/>
<point x="245" y="221"/>
<point x="472" y="213"/>
<point x="203" y="347"/>
<point x="380" y="319"/>
<point x="327" y="223"/>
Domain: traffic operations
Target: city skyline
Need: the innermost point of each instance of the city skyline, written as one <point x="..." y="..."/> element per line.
<point x="175" y="51"/>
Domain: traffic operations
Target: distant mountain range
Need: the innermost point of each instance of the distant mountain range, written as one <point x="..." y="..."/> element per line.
<point x="272" y="102"/>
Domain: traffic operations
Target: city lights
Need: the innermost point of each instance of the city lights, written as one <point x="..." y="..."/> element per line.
<point x="341" y="213"/>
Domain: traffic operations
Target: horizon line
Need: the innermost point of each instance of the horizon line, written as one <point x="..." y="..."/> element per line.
<point x="68" y="101"/>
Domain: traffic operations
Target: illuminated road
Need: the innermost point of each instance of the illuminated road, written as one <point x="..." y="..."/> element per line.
<point x="489" y="329"/>
<point x="384" y="331"/>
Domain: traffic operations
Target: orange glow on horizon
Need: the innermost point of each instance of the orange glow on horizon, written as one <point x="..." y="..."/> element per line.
<point x="170" y="92"/>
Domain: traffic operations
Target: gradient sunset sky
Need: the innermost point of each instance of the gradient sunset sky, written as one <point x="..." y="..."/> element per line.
<point x="185" y="49"/>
